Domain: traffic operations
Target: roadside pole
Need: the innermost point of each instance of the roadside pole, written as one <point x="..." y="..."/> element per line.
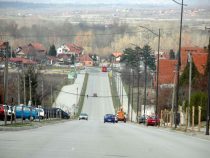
<point x="6" y="44"/>
<point x="208" y="106"/>
<point x="129" y="94"/>
<point x="132" y="98"/>
<point x="137" y="114"/>
<point x="190" y="83"/>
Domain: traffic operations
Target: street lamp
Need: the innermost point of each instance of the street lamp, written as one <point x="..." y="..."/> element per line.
<point x="179" y="60"/>
<point x="157" y="72"/>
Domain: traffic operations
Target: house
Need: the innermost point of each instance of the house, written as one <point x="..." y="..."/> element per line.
<point x="22" y="61"/>
<point x="116" y="57"/>
<point x="167" y="68"/>
<point x="199" y="56"/>
<point x="167" y="73"/>
<point x="33" y="51"/>
<point x="70" y="49"/>
<point x="86" y="60"/>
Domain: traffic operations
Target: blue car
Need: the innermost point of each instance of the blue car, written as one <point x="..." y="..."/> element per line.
<point x="109" y="118"/>
<point x="26" y="112"/>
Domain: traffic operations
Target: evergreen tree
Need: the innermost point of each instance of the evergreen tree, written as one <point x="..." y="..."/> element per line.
<point x="172" y="54"/>
<point x="52" y="51"/>
<point x="184" y="79"/>
<point x="72" y="59"/>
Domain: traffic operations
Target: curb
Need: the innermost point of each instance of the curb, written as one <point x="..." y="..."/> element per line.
<point x="3" y="128"/>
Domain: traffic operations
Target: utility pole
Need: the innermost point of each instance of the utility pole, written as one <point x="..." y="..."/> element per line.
<point x="157" y="76"/>
<point x="42" y="92"/>
<point x="122" y="90"/>
<point x="145" y="87"/>
<point x="24" y="87"/>
<point x="51" y="94"/>
<point x="6" y="51"/>
<point x="190" y="83"/>
<point x="208" y="106"/>
<point x="29" y="80"/>
<point x="129" y="94"/>
<point x="18" y="87"/>
<point x="158" y="61"/>
<point x="30" y="101"/>
<point x="137" y="114"/>
<point x="179" y="61"/>
<point x="132" y="99"/>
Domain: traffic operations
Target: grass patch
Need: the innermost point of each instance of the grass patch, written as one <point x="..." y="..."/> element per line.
<point x="19" y="124"/>
<point x="115" y="97"/>
<point x="82" y="94"/>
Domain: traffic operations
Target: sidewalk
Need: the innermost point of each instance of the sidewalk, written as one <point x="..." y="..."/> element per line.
<point x="189" y="132"/>
<point x="69" y="96"/>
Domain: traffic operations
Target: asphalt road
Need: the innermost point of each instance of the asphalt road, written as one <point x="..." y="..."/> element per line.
<point x="94" y="139"/>
<point x="97" y="107"/>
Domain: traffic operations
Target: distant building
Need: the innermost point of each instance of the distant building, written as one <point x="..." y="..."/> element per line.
<point x="199" y="56"/>
<point x="167" y="67"/>
<point x="86" y="60"/>
<point x="33" y="51"/>
<point x="116" y="57"/>
<point x="70" y="49"/>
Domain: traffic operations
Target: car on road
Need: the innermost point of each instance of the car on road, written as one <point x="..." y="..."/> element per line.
<point x="110" y="118"/>
<point x="142" y="119"/>
<point x="104" y="69"/>
<point x="121" y="116"/>
<point x="83" y="116"/>
<point x="153" y="121"/>
<point x="95" y="95"/>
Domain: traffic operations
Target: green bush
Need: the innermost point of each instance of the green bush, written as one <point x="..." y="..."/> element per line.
<point x="199" y="99"/>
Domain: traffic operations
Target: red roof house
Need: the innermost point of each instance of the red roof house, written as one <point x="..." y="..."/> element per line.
<point x="199" y="56"/>
<point x="167" y="71"/>
<point x="117" y="56"/>
<point x="86" y="60"/>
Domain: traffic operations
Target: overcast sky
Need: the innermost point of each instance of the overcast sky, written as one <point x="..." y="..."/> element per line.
<point x="193" y="2"/>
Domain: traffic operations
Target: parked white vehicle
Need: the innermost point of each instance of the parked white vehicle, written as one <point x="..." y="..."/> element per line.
<point x="40" y="113"/>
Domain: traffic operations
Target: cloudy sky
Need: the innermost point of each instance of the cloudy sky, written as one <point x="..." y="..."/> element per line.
<point x="165" y="2"/>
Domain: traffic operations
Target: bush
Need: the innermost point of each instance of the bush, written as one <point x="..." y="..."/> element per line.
<point x="199" y="99"/>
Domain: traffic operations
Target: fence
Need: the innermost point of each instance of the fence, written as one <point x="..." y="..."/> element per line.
<point x="185" y="118"/>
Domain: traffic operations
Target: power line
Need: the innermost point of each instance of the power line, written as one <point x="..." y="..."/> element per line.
<point x="91" y="96"/>
<point x="70" y="35"/>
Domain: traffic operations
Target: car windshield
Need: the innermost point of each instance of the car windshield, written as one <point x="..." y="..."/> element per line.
<point x="83" y="114"/>
<point x="89" y="77"/>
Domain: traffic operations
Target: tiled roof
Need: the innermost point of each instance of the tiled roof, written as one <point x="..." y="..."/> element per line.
<point x="38" y="46"/>
<point x="84" y="57"/>
<point x="167" y="71"/>
<point x="22" y="60"/>
<point x="117" y="54"/>
<point x="199" y="56"/>
<point x="74" y="48"/>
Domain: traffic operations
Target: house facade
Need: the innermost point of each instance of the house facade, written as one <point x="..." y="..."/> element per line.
<point x="86" y="60"/>
<point x="33" y="51"/>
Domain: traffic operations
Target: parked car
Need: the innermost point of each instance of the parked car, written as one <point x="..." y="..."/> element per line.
<point x="40" y="113"/>
<point x="2" y="112"/>
<point x="27" y="112"/>
<point x="152" y="120"/>
<point x="56" y="112"/>
<point x="83" y="116"/>
<point x="109" y="118"/>
<point x="142" y="119"/>
<point x="65" y="115"/>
